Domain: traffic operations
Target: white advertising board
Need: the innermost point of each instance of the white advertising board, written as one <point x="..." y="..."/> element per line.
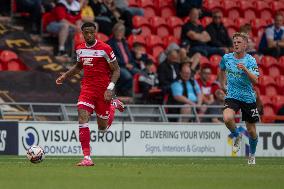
<point x="63" y="139"/>
<point x="148" y="139"/>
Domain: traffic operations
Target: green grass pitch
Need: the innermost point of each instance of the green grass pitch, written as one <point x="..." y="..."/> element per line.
<point x="137" y="173"/>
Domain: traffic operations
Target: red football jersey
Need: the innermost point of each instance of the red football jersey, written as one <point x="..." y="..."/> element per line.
<point x="95" y="60"/>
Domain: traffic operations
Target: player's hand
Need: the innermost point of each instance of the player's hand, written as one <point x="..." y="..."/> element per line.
<point x="60" y="79"/>
<point x="108" y="95"/>
<point x="242" y="67"/>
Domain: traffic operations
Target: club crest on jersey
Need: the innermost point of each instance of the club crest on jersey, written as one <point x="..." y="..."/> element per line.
<point x="87" y="61"/>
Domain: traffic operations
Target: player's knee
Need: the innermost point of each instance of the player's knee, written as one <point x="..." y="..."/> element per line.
<point x="228" y="118"/>
<point x="82" y="120"/>
<point x="64" y="26"/>
<point x="102" y="128"/>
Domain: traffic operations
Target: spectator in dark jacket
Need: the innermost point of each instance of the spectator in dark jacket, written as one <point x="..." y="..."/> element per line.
<point x="168" y="71"/>
<point x="218" y="33"/>
<point x="125" y="60"/>
<point x="194" y="35"/>
<point x="139" y="55"/>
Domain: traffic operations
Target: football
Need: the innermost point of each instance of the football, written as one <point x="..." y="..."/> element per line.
<point x="35" y="154"/>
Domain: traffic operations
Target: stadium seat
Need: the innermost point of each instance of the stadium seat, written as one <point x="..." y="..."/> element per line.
<point x="102" y="37"/>
<point x="2" y="66"/>
<point x="274" y="70"/>
<point x="261" y="72"/>
<point x="45" y="20"/>
<point x="153" y="41"/>
<point x="280" y="84"/>
<point x="230" y="9"/>
<point x="281" y="60"/>
<point x="170" y="39"/>
<point x="257" y="24"/>
<point x="215" y="61"/>
<point x="247" y="8"/>
<point x="270" y="90"/>
<point x="7" y="56"/>
<point x="204" y="60"/>
<point x="14" y="65"/>
<point x="266" y="15"/>
<point x="156" y="51"/>
<point x="139" y="21"/>
<point x="240" y="22"/>
<point x="260" y="6"/>
<point x="136" y="38"/>
<point x="167" y="12"/>
<point x="266" y="100"/>
<point x="78" y="38"/>
<point x="277" y="6"/>
<point x="177" y="32"/>
<point x="267" y="61"/>
<point x="161" y="4"/>
<point x="231" y="31"/>
<point x="173" y="22"/>
<point x="149" y="12"/>
<point x="228" y="22"/>
<point x="212" y="5"/>
<point x="265" y="81"/>
<point x="136" y="89"/>
<point x="278" y="102"/>
<point x="205" y="21"/>
<point x="15" y="12"/>
<point x="133" y="3"/>
<point x="268" y="110"/>
<point x="159" y="26"/>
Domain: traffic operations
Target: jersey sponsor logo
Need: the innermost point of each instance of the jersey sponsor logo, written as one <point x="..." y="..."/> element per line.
<point x="87" y="61"/>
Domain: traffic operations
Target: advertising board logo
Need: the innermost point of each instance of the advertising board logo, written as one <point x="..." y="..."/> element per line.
<point x="30" y="137"/>
<point x="3" y="135"/>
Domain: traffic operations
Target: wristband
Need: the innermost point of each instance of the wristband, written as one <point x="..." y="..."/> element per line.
<point x="111" y="86"/>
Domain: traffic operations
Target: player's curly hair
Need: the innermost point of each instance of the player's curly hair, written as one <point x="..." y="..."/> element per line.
<point x="242" y="35"/>
<point x="88" y="24"/>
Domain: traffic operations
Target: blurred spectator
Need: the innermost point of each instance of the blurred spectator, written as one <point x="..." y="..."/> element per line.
<point x="148" y="84"/>
<point x="173" y="46"/>
<point x="186" y="91"/>
<point x="107" y="15"/>
<point x="123" y="5"/>
<point x="168" y="71"/>
<point x="219" y="101"/>
<point x="205" y="85"/>
<point x="194" y="35"/>
<point x="218" y="33"/>
<point x="272" y="41"/>
<point x="184" y="6"/>
<point x="34" y="7"/>
<point x="139" y="55"/>
<point x="87" y="12"/>
<point x="127" y="64"/>
<point x="66" y="20"/>
<point x="251" y="45"/>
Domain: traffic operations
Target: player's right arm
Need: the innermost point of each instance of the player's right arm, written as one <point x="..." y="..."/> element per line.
<point x="73" y="71"/>
<point x="222" y="75"/>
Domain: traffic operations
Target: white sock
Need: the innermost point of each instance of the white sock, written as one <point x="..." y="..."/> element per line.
<point x="87" y="157"/>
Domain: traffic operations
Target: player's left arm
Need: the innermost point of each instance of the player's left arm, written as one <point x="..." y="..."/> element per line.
<point x="251" y="71"/>
<point x="114" y="67"/>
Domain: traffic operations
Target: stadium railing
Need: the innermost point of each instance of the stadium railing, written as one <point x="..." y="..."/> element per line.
<point x="68" y="112"/>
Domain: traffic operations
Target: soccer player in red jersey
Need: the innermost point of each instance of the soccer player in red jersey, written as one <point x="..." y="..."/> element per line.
<point x="101" y="72"/>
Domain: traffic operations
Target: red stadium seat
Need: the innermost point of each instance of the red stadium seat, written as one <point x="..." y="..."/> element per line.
<point x="136" y="88"/>
<point x="2" y="67"/>
<point x="258" y="24"/>
<point x="212" y="4"/>
<point x="102" y="37"/>
<point x="136" y="38"/>
<point x="267" y="61"/>
<point x="174" y="22"/>
<point x="228" y="22"/>
<point x="260" y="6"/>
<point x="266" y="100"/>
<point x="268" y="110"/>
<point x="278" y="102"/>
<point x="247" y="9"/>
<point x="149" y="12"/>
<point x="280" y="84"/>
<point x="139" y="21"/>
<point x="14" y="66"/>
<point x="277" y="6"/>
<point x="177" y="32"/>
<point x="270" y="90"/>
<point x="266" y="14"/>
<point x="169" y="39"/>
<point x="274" y="71"/>
<point x="153" y="41"/>
<point x="133" y="3"/>
<point x="45" y="20"/>
<point x="161" y="4"/>
<point x="78" y="38"/>
<point x="240" y="22"/>
<point x="156" y="51"/>
<point x="145" y="3"/>
<point x="159" y="26"/>
<point x="215" y="61"/>
<point x="261" y="72"/>
<point x="281" y="60"/>
<point x="265" y="81"/>
<point x="231" y="31"/>
<point x="7" y="56"/>
<point x="167" y="12"/>
<point x="205" y="21"/>
<point x="231" y="9"/>
<point x="249" y="14"/>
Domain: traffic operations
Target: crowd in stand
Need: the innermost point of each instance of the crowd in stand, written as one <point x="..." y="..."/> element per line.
<point x="177" y="77"/>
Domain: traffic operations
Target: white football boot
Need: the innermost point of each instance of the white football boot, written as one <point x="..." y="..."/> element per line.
<point x="237" y="143"/>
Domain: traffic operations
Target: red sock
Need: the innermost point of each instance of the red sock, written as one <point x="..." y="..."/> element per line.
<point x="84" y="137"/>
<point x="111" y="116"/>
